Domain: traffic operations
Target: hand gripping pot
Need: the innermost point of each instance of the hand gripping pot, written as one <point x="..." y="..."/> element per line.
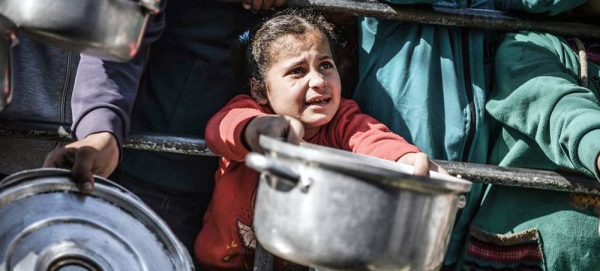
<point x="336" y="210"/>
<point x="48" y="225"/>
<point x="108" y="29"/>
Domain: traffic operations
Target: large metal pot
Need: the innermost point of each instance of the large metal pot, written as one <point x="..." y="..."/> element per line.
<point x="109" y="29"/>
<point x="7" y="39"/>
<point x="48" y="225"/>
<point x="335" y="210"/>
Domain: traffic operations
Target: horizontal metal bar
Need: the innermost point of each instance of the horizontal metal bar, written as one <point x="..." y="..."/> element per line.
<point x="526" y="178"/>
<point x="468" y="18"/>
<point x="137" y="141"/>
<point x="522" y="177"/>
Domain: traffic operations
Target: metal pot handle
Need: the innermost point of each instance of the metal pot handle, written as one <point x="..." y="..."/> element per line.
<point x="265" y="164"/>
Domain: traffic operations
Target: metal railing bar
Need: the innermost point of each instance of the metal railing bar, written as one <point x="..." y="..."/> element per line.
<point x="137" y="141"/>
<point x="522" y="177"/>
<point x="468" y="18"/>
<point x="489" y="174"/>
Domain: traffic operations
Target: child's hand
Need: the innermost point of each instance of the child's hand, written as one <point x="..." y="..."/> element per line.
<point x="287" y="128"/>
<point x="421" y="163"/>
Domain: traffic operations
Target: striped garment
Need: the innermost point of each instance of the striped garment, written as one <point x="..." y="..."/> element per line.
<point x="519" y="251"/>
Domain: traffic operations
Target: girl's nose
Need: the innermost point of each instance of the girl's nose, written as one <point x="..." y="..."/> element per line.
<point x="317" y="81"/>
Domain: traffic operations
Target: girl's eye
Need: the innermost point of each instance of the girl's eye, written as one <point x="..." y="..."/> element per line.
<point x="326" y="65"/>
<point x="297" y="71"/>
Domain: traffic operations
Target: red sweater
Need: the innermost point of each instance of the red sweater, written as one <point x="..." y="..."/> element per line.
<point x="226" y="241"/>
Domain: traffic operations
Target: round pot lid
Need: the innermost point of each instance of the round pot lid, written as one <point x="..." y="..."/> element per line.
<point x="365" y="167"/>
<point x="47" y="224"/>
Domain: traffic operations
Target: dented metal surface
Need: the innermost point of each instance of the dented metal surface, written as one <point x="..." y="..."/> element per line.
<point x="469" y="18"/>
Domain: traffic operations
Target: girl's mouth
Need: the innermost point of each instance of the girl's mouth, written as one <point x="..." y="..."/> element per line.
<point x="317" y="101"/>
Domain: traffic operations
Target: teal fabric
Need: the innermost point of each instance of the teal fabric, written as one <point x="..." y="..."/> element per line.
<point x="417" y="80"/>
<point x="569" y="234"/>
<point x="545" y="120"/>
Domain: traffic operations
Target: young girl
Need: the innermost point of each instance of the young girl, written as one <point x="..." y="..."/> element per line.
<point x="296" y="95"/>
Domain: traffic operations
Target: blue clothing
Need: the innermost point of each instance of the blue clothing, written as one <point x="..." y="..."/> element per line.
<point x="43" y="78"/>
<point x="429" y="83"/>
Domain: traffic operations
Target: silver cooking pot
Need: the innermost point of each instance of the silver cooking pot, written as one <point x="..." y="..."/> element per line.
<point x="8" y="35"/>
<point x="48" y="225"/>
<point x="108" y="29"/>
<point x="336" y="210"/>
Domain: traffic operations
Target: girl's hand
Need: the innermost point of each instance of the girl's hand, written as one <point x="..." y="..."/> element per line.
<point x="262" y="5"/>
<point x="286" y="128"/>
<point x="421" y="163"/>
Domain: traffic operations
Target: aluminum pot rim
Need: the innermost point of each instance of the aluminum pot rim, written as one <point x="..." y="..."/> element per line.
<point x="369" y="168"/>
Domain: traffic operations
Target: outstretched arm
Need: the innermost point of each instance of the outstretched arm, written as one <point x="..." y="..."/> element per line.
<point x="361" y="133"/>
<point x="103" y="96"/>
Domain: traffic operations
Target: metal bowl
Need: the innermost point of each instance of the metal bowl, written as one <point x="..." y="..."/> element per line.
<point x="48" y="225"/>
<point x="336" y="210"/>
<point x="108" y="29"/>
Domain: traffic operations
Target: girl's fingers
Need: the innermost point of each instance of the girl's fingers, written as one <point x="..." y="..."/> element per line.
<point x="295" y="131"/>
<point x="421" y="164"/>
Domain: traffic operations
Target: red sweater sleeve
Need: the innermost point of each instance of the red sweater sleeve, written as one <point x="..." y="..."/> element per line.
<point x="224" y="130"/>
<point x="360" y="133"/>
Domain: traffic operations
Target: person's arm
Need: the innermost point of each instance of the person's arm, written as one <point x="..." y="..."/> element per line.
<point x="362" y="134"/>
<point x="235" y="130"/>
<point x="225" y="131"/>
<point x="536" y="92"/>
<point x="103" y="96"/>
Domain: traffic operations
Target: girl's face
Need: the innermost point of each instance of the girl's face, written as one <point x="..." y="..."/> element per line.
<point x="302" y="80"/>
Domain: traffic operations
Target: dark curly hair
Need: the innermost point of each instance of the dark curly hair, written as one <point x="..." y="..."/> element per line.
<point x="255" y="54"/>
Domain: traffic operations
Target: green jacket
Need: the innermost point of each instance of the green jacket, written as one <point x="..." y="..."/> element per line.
<point x="544" y="119"/>
<point x="428" y="83"/>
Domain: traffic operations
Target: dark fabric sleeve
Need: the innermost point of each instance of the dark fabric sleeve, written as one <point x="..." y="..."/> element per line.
<point x="105" y="91"/>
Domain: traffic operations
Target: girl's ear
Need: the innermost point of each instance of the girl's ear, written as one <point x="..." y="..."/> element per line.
<point x="258" y="92"/>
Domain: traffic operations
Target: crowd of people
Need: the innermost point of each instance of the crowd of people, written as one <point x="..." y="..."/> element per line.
<point x="230" y="72"/>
